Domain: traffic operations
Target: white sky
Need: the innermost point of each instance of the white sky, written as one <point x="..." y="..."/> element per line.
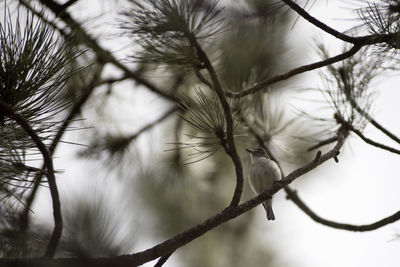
<point x="361" y="189"/>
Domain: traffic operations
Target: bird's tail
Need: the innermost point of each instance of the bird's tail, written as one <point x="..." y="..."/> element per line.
<point x="268" y="210"/>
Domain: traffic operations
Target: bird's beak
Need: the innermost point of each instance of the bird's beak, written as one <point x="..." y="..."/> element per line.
<point x="249" y="150"/>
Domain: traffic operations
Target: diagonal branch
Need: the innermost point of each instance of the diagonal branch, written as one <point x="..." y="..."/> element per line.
<point x="367" y="140"/>
<point x="263" y="84"/>
<point x="163" y="260"/>
<point x="319" y="24"/>
<point x="56" y="235"/>
<point x="103" y="54"/>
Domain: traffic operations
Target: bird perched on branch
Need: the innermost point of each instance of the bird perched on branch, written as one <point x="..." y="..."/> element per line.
<point x="263" y="173"/>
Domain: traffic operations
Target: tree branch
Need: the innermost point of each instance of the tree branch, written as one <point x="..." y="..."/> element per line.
<point x="292" y="195"/>
<point x="152" y="124"/>
<point x="263" y="84"/>
<point x="187" y="236"/>
<point x="163" y="260"/>
<point x="359" y="40"/>
<point x="319" y="24"/>
<point x="86" y="92"/>
<point x="323" y="143"/>
<point x="350" y="127"/>
<point x="216" y="85"/>
<point x="104" y="55"/>
<point x="56" y="235"/>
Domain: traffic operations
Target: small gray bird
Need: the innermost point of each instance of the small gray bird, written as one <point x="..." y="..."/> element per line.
<point x="263" y="173"/>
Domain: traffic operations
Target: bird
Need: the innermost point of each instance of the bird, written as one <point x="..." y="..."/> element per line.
<point x="263" y="172"/>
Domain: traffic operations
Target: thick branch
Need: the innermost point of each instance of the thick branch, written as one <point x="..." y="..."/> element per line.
<point x="216" y="85"/>
<point x="263" y="84"/>
<point x="56" y="235"/>
<point x="292" y="195"/>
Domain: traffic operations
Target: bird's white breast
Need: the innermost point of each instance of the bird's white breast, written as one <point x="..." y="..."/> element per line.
<point x="263" y="174"/>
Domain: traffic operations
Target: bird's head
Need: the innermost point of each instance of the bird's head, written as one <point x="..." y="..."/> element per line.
<point x="258" y="153"/>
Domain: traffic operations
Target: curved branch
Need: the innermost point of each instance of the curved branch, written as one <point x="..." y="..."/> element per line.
<point x="56" y="235"/>
<point x="86" y="92"/>
<point x="292" y="195"/>
<point x="319" y="24"/>
<point x="359" y="40"/>
<point x="263" y="84"/>
<point x="231" y="147"/>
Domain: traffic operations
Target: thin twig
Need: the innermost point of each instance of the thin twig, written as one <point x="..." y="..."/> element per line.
<point x="56" y="235"/>
<point x="350" y="127"/>
<point x="377" y="125"/>
<point x="292" y="195"/>
<point x="323" y="143"/>
<point x="359" y="40"/>
<point x="263" y="84"/>
<point x="152" y="124"/>
<point x="163" y="260"/>
<point x="318" y="23"/>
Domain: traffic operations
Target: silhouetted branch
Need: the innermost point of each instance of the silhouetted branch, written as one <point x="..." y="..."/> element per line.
<point x="377" y="125"/>
<point x="232" y="151"/>
<point x="263" y="84"/>
<point x="103" y="55"/>
<point x="364" y="138"/>
<point x="163" y="260"/>
<point x="56" y="235"/>
<point x="292" y="195"/>
<point x="323" y="143"/>
<point x="86" y="92"/>
<point x="318" y="23"/>
<point x="359" y="40"/>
